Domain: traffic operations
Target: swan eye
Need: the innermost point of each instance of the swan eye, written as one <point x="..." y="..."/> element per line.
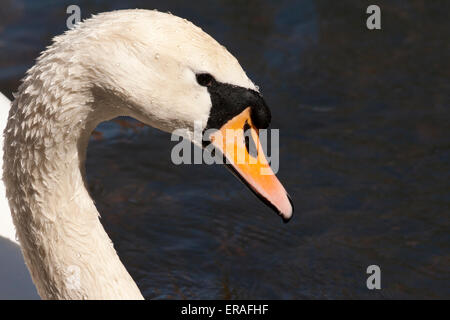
<point x="205" y="79"/>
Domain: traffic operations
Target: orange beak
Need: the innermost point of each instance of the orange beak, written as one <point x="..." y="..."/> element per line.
<point x="238" y="141"/>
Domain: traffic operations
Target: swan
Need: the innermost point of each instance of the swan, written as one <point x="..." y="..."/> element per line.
<point x="155" y="67"/>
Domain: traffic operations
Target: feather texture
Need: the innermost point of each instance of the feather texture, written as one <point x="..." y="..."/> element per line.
<point x="134" y="62"/>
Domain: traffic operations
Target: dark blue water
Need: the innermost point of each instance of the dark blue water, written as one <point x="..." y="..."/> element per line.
<point x="364" y="119"/>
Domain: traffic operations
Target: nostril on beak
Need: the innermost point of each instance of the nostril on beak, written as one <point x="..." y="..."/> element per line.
<point x="249" y="142"/>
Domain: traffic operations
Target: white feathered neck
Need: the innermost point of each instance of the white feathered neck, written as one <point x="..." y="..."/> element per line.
<point x="66" y="249"/>
<point x="134" y="62"/>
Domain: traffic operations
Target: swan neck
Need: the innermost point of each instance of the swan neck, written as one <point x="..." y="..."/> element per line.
<point x="65" y="246"/>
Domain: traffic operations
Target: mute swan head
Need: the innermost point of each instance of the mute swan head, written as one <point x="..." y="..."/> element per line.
<point x="155" y="67"/>
<point x="166" y="72"/>
<point x="151" y="61"/>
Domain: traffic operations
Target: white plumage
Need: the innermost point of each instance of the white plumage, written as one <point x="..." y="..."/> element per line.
<point x="15" y="280"/>
<point x="136" y="63"/>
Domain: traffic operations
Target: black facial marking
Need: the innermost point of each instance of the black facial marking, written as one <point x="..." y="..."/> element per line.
<point x="229" y="100"/>
<point x="249" y="142"/>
